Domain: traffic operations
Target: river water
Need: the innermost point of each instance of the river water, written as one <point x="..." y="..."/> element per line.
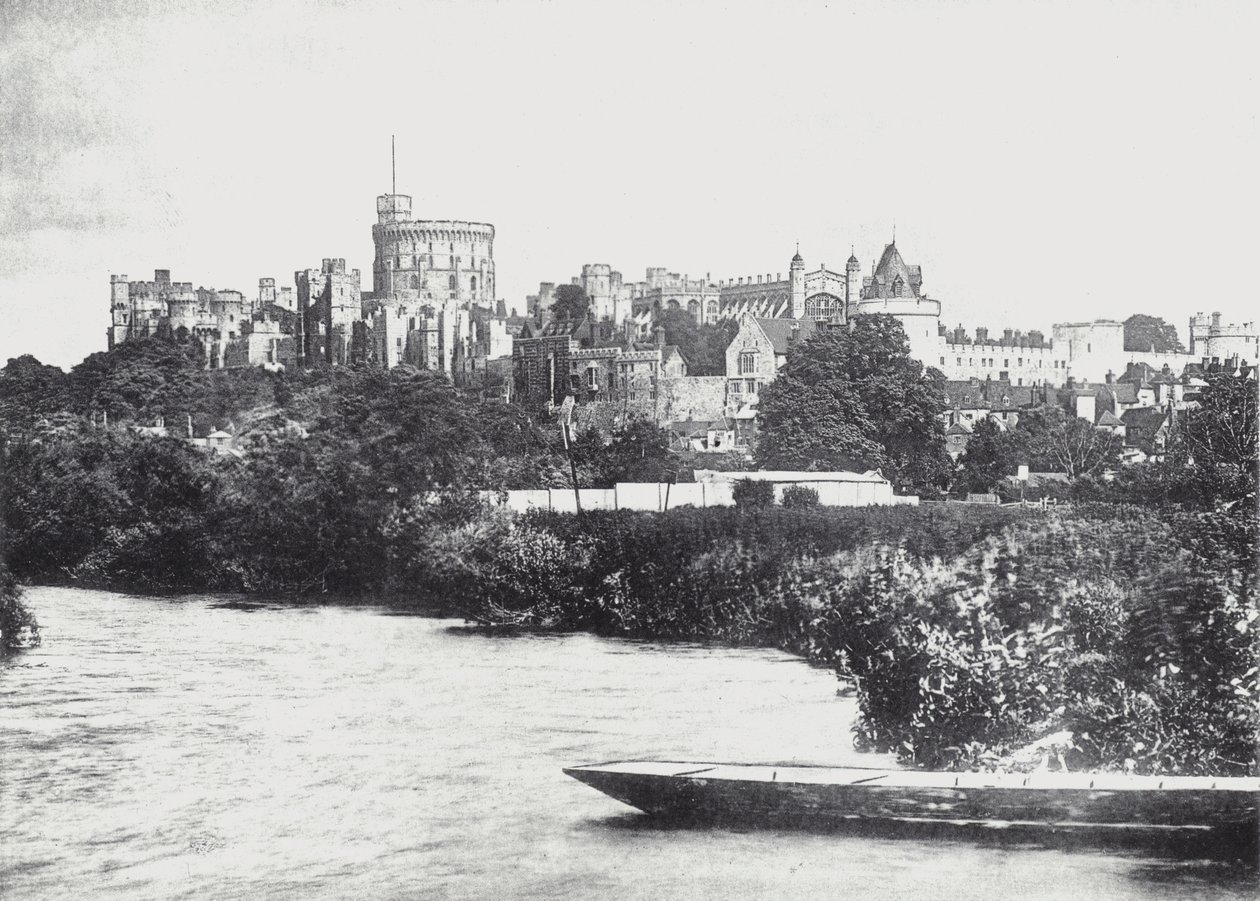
<point x="157" y="748"/>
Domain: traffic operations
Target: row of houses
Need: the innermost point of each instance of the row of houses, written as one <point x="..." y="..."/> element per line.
<point x="1140" y="406"/>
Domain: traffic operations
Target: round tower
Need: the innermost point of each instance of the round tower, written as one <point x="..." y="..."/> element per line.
<point x="852" y="283"/>
<point x="797" y="276"/>
<point x="120" y="310"/>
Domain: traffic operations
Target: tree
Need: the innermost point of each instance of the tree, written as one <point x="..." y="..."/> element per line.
<point x="702" y="346"/>
<point x="1223" y="430"/>
<point x="991" y="456"/>
<point x="637" y="451"/>
<point x="1058" y="442"/>
<point x="853" y="398"/>
<point x="571" y="302"/>
<point x="1151" y="334"/>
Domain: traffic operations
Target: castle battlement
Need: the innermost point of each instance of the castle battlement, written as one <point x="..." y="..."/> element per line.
<point x="1014" y="338"/>
<point x="900" y="306"/>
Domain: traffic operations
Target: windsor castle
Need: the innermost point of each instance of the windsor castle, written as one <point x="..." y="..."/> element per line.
<point x="433" y="305"/>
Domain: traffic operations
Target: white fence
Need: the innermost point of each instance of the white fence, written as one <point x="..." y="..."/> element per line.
<point x="655" y="497"/>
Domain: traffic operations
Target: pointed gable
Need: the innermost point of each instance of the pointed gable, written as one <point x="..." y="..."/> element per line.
<point x="893" y="278"/>
<point x="782" y="332"/>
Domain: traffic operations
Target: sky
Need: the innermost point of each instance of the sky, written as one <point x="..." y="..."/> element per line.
<point x="1043" y="162"/>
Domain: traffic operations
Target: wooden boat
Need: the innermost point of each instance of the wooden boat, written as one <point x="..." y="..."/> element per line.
<point x="812" y="795"/>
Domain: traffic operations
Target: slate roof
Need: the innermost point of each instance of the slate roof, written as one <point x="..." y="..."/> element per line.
<point x="888" y="269"/>
<point x="1137" y="373"/>
<point x="782" y="332"/>
<point x="958" y="428"/>
<point x="1122" y="392"/>
<point x="989" y="394"/>
<point x="1146" y="419"/>
<point x="1109" y="420"/>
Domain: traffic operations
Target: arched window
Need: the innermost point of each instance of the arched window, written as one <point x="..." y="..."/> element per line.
<point x="472" y="284"/>
<point x="415" y="282"/>
<point x="451" y="282"/>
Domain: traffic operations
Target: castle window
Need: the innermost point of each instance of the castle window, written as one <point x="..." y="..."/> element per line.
<point x="472" y="283"/>
<point x="747" y="363"/>
<point x="942" y="361"/>
<point x="451" y="282"/>
<point x="415" y="282"/>
<point x="1006" y="364"/>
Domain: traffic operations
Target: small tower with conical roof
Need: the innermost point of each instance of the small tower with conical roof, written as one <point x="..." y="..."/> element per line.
<point x="852" y="284"/>
<point x="797" y="269"/>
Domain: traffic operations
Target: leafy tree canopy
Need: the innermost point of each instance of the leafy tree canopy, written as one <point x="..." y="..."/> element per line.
<point x="992" y="455"/>
<point x="571" y="302"/>
<point x="853" y="398"/>
<point x="1052" y="440"/>
<point x="703" y="346"/>
<point x="30" y="390"/>
<point x="1151" y="333"/>
<point x="637" y="451"/>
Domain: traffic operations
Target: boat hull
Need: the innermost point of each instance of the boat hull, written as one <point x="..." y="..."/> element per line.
<point x="805" y="796"/>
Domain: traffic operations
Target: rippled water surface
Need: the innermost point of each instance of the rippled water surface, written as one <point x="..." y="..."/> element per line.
<point x="188" y="748"/>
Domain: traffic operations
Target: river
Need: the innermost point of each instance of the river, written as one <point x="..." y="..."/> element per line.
<point x="195" y="748"/>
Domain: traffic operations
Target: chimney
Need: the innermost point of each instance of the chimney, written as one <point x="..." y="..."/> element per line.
<point x="1111" y="377"/>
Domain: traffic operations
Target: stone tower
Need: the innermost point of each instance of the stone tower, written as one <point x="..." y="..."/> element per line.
<point x="120" y="310"/>
<point x="797" y="270"/>
<point x="852" y="284"/>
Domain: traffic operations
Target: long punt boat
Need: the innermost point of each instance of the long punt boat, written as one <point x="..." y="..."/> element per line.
<point x="812" y="795"/>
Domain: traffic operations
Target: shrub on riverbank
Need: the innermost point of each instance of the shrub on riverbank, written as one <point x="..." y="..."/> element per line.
<point x="968" y="632"/>
<point x="18" y="627"/>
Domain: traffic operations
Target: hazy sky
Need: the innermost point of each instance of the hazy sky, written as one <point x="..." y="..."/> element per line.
<point x="1041" y="161"/>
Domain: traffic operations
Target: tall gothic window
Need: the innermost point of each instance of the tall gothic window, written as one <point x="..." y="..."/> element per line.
<point x="451" y="282"/>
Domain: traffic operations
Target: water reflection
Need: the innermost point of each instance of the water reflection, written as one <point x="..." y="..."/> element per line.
<point x="201" y="747"/>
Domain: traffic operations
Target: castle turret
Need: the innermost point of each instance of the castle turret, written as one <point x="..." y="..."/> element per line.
<point x="119" y="310"/>
<point x="797" y="276"/>
<point x="852" y="283"/>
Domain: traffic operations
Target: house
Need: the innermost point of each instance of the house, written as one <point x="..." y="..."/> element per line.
<point x="957" y="437"/>
<point x="758" y="351"/>
<point x="711" y="436"/>
<point x="1147" y="429"/>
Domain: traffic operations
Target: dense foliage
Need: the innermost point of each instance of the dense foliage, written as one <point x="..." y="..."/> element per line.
<point x="339" y="471"/>
<point x="968" y="632"/>
<point x="1151" y="334"/>
<point x="853" y="398"/>
<point x="18" y="628"/>
<point x="635" y="451"/>
<point x="703" y="346"/>
<point x="570" y="302"/>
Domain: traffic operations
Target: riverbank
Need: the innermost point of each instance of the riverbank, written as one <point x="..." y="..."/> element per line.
<point x="18" y="625"/>
<point x="967" y="633"/>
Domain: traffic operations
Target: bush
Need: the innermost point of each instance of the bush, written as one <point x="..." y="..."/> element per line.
<point x="797" y="496"/>
<point x="750" y="494"/>
<point x="18" y="628"/>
